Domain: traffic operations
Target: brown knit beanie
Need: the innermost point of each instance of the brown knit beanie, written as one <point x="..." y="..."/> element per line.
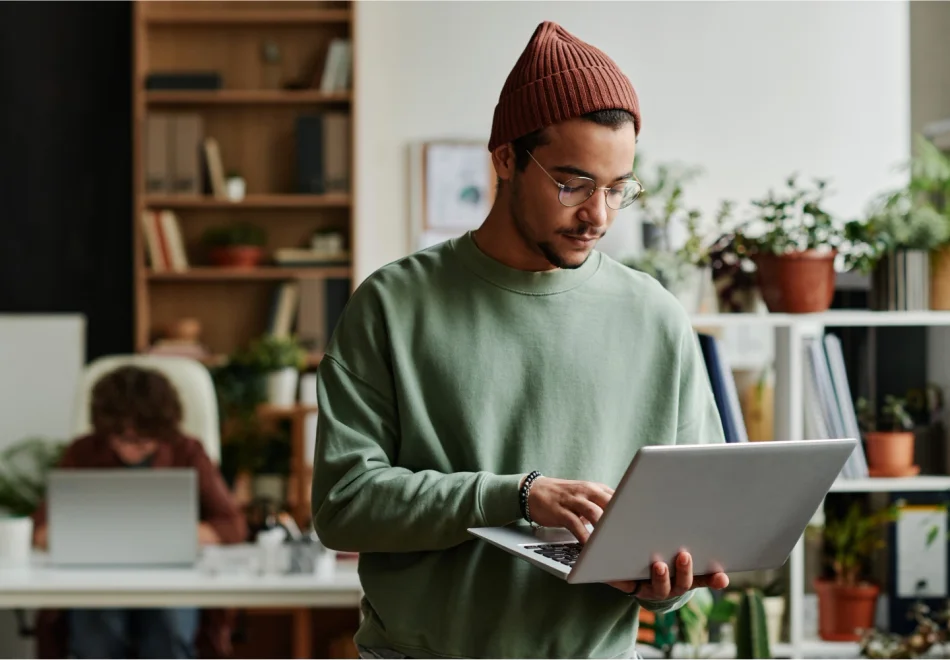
<point x="559" y="77"/>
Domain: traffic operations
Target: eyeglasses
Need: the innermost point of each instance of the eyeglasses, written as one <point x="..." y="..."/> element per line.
<point x="579" y="189"/>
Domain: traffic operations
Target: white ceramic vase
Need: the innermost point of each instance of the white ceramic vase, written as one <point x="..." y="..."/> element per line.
<point x="696" y="292"/>
<point x="16" y="540"/>
<point x="282" y="387"/>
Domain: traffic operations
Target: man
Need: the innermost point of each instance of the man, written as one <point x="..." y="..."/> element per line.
<point x="135" y="417"/>
<point x="457" y="371"/>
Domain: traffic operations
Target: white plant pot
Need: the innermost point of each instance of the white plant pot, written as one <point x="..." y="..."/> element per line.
<point x="235" y="188"/>
<point x="16" y="541"/>
<point x="696" y="292"/>
<point x="282" y="387"/>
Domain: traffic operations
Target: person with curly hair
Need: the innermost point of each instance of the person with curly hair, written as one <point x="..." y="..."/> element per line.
<point x="136" y="414"/>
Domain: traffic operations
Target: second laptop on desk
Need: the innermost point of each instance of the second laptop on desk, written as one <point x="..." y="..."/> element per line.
<point x="123" y="518"/>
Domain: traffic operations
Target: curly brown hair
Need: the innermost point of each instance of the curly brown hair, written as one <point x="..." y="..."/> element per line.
<point x="141" y="398"/>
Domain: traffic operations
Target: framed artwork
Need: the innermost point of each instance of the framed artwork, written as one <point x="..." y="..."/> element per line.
<point x="457" y="186"/>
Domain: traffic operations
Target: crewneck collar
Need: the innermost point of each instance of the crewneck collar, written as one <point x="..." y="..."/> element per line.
<point x="538" y="283"/>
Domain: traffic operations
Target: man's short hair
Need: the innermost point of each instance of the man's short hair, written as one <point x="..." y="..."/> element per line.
<point x="134" y="396"/>
<point x="614" y="118"/>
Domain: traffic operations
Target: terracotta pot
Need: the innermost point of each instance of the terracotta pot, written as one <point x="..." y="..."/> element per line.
<point x="236" y="256"/>
<point x="940" y="279"/>
<point x="890" y="452"/>
<point x="796" y="283"/>
<point x="844" y="611"/>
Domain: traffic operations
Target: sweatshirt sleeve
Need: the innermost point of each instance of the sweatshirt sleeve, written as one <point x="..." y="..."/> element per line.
<point x="362" y="502"/>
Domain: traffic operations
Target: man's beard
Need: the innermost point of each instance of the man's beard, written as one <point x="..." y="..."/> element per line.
<point x="545" y="247"/>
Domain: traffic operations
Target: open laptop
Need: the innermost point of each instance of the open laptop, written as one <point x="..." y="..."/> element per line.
<point x="123" y="517"/>
<point x="734" y="507"/>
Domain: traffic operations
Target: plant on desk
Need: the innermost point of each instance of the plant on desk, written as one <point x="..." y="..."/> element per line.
<point x="846" y="600"/>
<point x="24" y="467"/>
<point x="889" y="437"/>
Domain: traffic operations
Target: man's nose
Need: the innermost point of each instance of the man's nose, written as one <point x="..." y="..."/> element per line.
<point x="594" y="210"/>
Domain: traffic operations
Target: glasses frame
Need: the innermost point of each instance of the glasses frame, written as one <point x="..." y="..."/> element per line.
<point x="606" y="189"/>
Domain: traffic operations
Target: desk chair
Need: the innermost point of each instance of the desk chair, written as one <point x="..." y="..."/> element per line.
<point x="191" y="378"/>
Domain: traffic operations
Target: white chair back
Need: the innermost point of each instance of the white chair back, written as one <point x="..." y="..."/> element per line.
<point x="190" y="378"/>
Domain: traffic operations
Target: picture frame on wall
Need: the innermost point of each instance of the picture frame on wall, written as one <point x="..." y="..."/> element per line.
<point x="458" y="185"/>
<point x="453" y="189"/>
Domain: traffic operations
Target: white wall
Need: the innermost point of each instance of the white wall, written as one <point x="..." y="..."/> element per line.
<point x="41" y="357"/>
<point x="748" y="91"/>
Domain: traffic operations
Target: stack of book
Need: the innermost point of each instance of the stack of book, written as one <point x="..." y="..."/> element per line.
<point x="829" y="408"/>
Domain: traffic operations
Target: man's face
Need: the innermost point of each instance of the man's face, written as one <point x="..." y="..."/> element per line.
<point x="565" y="236"/>
<point x="132" y="448"/>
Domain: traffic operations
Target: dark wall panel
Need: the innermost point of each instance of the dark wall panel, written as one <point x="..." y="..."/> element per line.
<point x="65" y="165"/>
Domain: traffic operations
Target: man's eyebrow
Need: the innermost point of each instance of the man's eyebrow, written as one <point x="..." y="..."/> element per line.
<point x="576" y="171"/>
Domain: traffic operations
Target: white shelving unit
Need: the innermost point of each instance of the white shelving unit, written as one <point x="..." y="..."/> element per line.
<point x="789" y="331"/>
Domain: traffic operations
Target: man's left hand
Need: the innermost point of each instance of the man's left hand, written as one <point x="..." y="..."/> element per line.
<point x="661" y="586"/>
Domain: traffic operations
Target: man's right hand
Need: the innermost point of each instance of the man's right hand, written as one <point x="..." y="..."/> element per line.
<point x="569" y="504"/>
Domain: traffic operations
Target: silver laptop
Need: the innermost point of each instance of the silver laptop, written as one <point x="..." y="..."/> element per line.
<point x="734" y="507"/>
<point x="123" y="517"/>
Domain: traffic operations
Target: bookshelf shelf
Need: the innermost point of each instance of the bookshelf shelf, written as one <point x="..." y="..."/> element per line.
<point x="222" y="274"/>
<point x="834" y="318"/>
<point x="244" y="97"/>
<point x="924" y="483"/>
<point x="209" y="17"/>
<point x="249" y="202"/>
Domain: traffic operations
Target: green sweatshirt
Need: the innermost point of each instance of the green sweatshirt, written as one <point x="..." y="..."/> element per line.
<point x="449" y="377"/>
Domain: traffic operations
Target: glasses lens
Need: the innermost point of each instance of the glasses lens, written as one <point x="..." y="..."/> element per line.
<point x="576" y="191"/>
<point x="623" y="194"/>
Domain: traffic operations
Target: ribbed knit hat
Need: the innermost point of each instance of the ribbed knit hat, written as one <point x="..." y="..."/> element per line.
<point x="559" y="77"/>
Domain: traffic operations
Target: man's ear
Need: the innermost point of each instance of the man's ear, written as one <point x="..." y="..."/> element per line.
<point x="503" y="159"/>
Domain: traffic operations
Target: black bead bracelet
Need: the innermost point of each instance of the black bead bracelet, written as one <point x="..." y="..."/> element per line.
<point x="523" y="495"/>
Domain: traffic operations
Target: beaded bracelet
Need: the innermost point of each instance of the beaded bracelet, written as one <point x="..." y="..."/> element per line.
<point x="523" y="495"/>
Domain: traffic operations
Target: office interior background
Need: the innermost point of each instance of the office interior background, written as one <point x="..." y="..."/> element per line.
<point x="212" y="179"/>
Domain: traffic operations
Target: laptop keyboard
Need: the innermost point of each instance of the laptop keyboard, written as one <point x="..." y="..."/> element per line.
<point x="564" y="553"/>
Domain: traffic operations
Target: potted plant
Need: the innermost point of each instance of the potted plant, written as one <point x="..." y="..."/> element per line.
<point x="239" y="245"/>
<point x="889" y="437"/>
<point x="684" y="271"/>
<point x="846" y="599"/>
<point x="280" y="360"/>
<point x="24" y="467"/>
<point x="793" y="243"/>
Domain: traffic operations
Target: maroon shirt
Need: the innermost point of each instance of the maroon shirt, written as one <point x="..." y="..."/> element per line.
<point x="217" y="507"/>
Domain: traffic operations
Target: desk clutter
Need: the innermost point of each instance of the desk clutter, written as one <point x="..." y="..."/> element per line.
<point x="272" y="554"/>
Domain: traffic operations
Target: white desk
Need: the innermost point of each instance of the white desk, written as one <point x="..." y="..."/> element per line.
<point x="44" y="586"/>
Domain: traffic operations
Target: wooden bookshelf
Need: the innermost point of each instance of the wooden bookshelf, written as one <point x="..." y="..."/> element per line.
<point x="252" y="115"/>
<point x="269" y="57"/>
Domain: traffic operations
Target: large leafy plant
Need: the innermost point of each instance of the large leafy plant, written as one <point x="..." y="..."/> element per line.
<point x="270" y="353"/>
<point x="853" y="538"/>
<point x="23" y="474"/>
<point x="913" y="217"/>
